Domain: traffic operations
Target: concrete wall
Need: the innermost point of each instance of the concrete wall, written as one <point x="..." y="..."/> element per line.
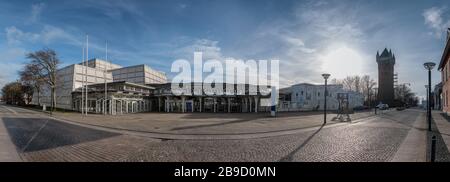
<point x="102" y="64"/>
<point x="70" y="78"/>
<point x="140" y="74"/>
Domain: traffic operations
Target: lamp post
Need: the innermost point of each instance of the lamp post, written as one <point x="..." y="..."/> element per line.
<point x="375" y="89"/>
<point x="325" y="76"/>
<point x="429" y="66"/>
<point x="426" y="92"/>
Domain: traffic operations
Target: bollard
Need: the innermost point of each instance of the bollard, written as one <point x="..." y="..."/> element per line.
<point x="433" y="148"/>
<point x="375" y="110"/>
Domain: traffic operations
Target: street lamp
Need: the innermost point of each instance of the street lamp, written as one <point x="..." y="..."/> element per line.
<point x="325" y="76"/>
<point x="375" y="89"/>
<point x="429" y="66"/>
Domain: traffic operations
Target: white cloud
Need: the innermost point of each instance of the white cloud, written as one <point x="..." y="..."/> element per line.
<point x="10" y="59"/>
<point x="47" y="35"/>
<point x="50" y="34"/>
<point x="331" y="22"/>
<point x="296" y="44"/>
<point x="434" y="20"/>
<point x="182" y="6"/>
<point x="210" y="49"/>
<point x="17" y="36"/>
<point x="36" y="10"/>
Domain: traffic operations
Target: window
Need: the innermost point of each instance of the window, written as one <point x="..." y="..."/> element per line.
<point x="318" y="93"/>
<point x="301" y="92"/>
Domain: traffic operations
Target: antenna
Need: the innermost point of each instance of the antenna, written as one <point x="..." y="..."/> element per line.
<point x="87" y="64"/>
<point x="104" y="74"/>
<point x="82" y="83"/>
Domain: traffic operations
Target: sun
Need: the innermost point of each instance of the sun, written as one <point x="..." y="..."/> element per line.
<point x="341" y="61"/>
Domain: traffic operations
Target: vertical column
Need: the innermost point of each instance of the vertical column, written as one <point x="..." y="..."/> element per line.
<point x="113" y="110"/>
<point x="183" y="104"/>
<point x="167" y="104"/>
<point x="256" y="104"/>
<point x="121" y="105"/>
<point x="110" y="106"/>
<point x="159" y="104"/>
<point x="214" y="104"/>
<point x="126" y="106"/>
<point x="96" y="106"/>
<point x="200" y="104"/>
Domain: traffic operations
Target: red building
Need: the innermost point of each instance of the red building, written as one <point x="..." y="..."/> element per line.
<point x="444" y="67"/>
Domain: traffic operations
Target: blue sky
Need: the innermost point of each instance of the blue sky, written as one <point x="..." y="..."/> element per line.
<point x="308" y="37"/>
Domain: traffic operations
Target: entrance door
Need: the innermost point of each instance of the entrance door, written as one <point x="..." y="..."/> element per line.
<point x="189" y="106"/>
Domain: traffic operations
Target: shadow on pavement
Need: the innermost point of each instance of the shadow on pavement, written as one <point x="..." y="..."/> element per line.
<point x="442" y="152"/>
<point x="33" y="134"/>
<point x="290" y="156"/>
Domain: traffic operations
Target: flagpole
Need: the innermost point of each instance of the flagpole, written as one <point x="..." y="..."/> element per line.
<point x="106" y="84"/>
<point x="82" y="84"/>
<point x="87" y="64"/>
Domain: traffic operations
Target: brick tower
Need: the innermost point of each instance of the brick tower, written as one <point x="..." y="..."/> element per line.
<point x="386" y="62"/>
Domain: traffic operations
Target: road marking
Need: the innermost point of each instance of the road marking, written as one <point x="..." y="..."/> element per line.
<point x="34" y="136"/>
<point x="14" y="112"/>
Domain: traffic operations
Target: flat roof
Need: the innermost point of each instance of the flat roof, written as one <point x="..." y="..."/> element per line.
<point x="125" y="83"/>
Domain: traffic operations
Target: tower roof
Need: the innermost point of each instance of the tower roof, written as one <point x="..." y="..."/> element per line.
<point x="386" y="53"/>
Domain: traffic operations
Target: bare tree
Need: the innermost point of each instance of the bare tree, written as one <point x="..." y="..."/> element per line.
<point x="30" y="75"/>
<point x="349" y="83"/>
<point x="363" y="85"/>
<point x="367" y="87"/>
<point x="47" y="63"/>
<point x="357" y="83"/>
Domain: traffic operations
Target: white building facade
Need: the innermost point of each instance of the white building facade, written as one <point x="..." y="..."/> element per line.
<point x="71" y="78"/>
<point x="308" y="97"/>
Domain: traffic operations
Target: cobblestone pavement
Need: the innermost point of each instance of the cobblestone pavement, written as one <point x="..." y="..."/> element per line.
<point x="373" y="139"/>
<point x="206" y="123"/>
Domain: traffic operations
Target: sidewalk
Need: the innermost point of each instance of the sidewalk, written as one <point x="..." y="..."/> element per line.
<point x="413" y="148"/>
<point x="8" y="152"/>
<point x="443" y="124"/>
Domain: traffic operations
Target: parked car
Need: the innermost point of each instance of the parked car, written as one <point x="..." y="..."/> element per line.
<point x="383" y="106"/>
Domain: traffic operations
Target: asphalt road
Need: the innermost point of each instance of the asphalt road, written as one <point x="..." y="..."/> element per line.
<point x="38" y="138"/>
